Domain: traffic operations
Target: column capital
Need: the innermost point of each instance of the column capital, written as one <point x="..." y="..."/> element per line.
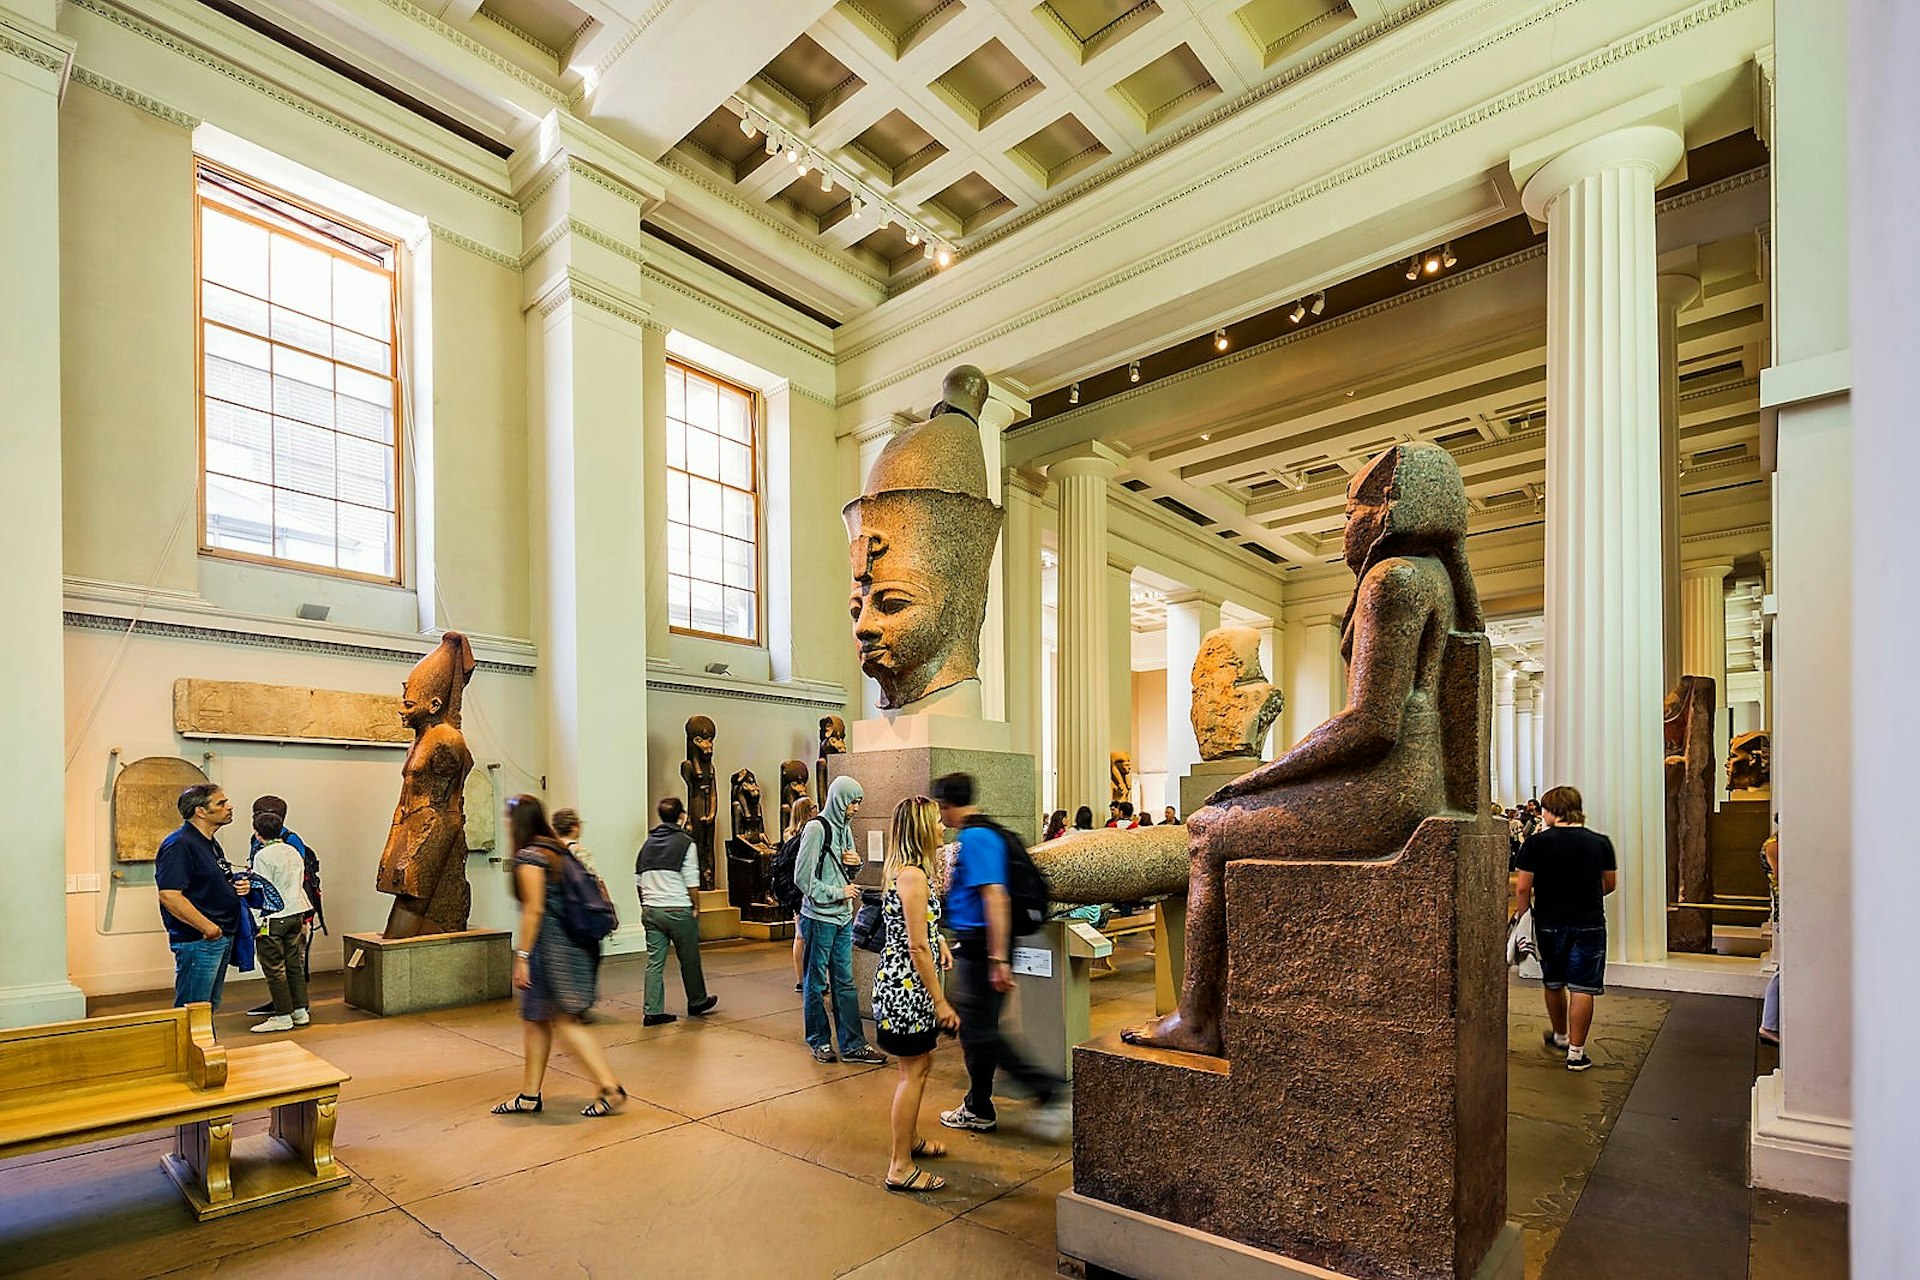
<point x="42" y="48"/>
<point x="1193" y="595"/>
<point x="1646" y="133"/>
<point x="1715" y="569"/>
<point x="1006" y="405"/>
<point x="1025" y="482"/>
<point x="1121" y="563"/>
<point x="1677" y="289"/>
<point x="1089" y="459"/>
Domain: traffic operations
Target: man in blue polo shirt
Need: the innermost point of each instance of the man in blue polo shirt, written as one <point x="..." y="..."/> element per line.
<point x="980" y="913"/>
<point x="199" y="899"/>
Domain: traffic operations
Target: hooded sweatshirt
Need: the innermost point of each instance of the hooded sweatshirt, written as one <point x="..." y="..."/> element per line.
<point x="818" y="871"/>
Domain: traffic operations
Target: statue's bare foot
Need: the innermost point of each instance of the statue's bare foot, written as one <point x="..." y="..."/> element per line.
<point x="1172" y="1032"/>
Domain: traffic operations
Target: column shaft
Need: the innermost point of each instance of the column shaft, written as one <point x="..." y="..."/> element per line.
<point x="33" y="917"/>
<point x="1526" y="782"/>
<point x="1506" y="760"/>
<point x="1315" y="683"/>
<point x="1023" y="497"/>
<point x="1119" y="639"/>
<point x="1675" y="292"/>
<point x="1084" y="720"/>
<point x="1604" y="617"/>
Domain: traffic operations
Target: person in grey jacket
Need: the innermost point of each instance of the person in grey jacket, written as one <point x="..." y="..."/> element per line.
<point x="827" y="898"/>
<point x="667" y="872"/>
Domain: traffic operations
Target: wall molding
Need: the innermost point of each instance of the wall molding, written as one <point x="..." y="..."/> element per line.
<point x="449" y="236"/>
<point x="666" y="678"/>
<point x="1615" y="52"/>
<point x="680" y="167"/>
<point x="453" y="35"/>
<point x="84" y="620"/>
<point x="134" y="98"/>
<point x="656" y="275"/>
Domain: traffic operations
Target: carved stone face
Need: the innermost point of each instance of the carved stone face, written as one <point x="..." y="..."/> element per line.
<point x="897" y="617"/>
<point x="432" y="688"/>
<point x="920" y="561"/>
<point x="699" y="739"/>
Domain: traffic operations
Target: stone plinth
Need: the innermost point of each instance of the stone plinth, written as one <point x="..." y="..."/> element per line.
<point x="1361" y="1126"/>
<point x="1006" y="787"/>
<point x="1209" y="776"/>
<point x="718" y="919"/>
<point x="433" y="971"/>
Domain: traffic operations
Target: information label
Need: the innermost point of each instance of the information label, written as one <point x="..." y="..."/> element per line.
<point x="1036" y="962"/>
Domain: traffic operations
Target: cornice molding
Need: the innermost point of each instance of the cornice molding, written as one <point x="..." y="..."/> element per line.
<point x="662" y="278"/>
<point x="305" y="106"/>
<point x="1538" y="87"/>
<point x="1415" y="294"/>
<point x="680" y="168"/>
<point x="453" y="35"/>
<point x="1699" y="195"/>
<point x="798" y="693"/>
<point x="39" y="46"/>
<point x="1740" y="531"/>
<point x="449" y="236"/>
<point x="612" y="244"/>
<point x="134" y="98"/>
<point x="80" y="620"/>
<point x="629" y="39"/>
<point x="576" y="286"/>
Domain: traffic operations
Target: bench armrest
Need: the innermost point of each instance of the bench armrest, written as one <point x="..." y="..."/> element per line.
<point x="206" y="1057"/>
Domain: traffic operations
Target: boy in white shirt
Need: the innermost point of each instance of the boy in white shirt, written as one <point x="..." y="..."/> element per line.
<point x="283" y="934"/>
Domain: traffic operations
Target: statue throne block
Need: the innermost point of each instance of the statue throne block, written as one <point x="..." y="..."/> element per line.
<point x="1360" y="1123"/>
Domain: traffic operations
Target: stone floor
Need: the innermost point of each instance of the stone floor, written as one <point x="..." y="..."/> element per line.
<point x="740" y="1155"/>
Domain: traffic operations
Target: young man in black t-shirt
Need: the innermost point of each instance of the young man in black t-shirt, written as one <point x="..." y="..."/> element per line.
<point x="1566" y="872"/>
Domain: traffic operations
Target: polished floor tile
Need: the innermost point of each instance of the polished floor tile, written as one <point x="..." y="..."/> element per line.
<point x="381" y="1244"/>
<point x="987" y="1254"/>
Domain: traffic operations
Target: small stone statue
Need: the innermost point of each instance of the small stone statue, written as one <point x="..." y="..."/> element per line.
<point x="1233" y="705"/>
<point x="748" y="853"/>
<point x="921" y="541"/>
<point x="793" y="785"/>
<point x="833" y="742"/>
<point x="1750" y="762"/>
<point x="1120" y="777"/>
<point x="425" y="862"/>
<point x="702" y="799"/>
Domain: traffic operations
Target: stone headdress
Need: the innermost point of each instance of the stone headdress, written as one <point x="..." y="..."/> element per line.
<point x="444" y="672"/>
<point x="1425" y="514"/>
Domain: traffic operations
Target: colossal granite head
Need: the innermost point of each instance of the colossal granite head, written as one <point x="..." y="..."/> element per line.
<point x="1410" y="501"/>
<point x="432" y="692"/>
<point x="1233" y="705"/>
<point x="920" y="539"/>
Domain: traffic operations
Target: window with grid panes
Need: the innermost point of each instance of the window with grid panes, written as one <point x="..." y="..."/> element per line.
<point x="713" y="515"/>
<point x="300" y="421"/>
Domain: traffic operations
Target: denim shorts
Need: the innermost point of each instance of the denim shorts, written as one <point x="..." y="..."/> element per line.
<point x="1573" y="959"/>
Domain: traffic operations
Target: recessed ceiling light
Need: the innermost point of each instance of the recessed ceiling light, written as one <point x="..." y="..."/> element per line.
<point x="1219" y="339"/>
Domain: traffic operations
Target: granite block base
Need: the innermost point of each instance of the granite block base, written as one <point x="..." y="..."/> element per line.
<point x="438" y="971"/>
<point x="1006" y="787"/>
<point x="1207" y="777"/>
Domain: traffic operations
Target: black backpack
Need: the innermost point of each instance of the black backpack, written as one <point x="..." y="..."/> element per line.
<point x="784" y="890"/>
<point x="1026" y="883"/>
<point x="586" y="912"/>
<point x="310" y="885"/>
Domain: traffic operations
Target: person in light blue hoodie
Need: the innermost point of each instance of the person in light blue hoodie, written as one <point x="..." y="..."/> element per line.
<point x="827" y="898"/>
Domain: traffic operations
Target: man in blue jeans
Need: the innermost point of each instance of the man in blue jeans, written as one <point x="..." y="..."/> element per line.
<point x="1566" y="873"/>
<point x="199" y="899"/>
<point x="826" y="922"/>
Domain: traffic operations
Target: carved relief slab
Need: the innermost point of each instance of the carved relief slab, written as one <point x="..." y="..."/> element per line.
<point x="145" y="804"/>
<point x="237" y="709"/>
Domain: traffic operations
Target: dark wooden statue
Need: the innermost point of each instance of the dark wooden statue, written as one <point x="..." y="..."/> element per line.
<point x="793" y="785"/>
<point x="833" y="742"/>
<point x="749" y="855"/>
<point x="703" y="802"/>
<point x="424" y="865"/>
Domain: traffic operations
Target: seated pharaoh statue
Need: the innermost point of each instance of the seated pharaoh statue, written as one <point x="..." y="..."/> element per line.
<point x="921" y="540"/>
<point x="1356" y="787"/>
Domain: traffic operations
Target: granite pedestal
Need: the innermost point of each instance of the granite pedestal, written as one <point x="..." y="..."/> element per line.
<point x="1207" y="777"/>
<point x="1359" y="1124"/>
<point x="437" y="971"/>
<point x="898" y="758"/>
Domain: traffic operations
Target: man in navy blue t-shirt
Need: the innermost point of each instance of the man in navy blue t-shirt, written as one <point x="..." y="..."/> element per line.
<point x="199" y="903"/>
<point x="980" y="913"/>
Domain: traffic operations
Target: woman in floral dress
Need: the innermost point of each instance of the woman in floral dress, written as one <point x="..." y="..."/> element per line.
<point x="910" y="1007"/>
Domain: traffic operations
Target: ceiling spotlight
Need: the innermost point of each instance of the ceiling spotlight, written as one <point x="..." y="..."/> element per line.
<point x="886" y="218"/>
<point x="859" y="205"/>
<point x="804" y="165"/>
<point x="1319" y="302"/>
<point x="1299" y="312"/>
<point x="826" y="181"/>
<point x="1446" y="255"/>
<point x="943" y="258"/>
<point x="913" y="237"/>
<point x="1413" y="267"/>
<point x="1073" y="394"/>
<point x="1206" y="435"/>
<point x="1219" y="339"/>
<point x="1133" y="371"/>
<point x="773" y="145"/>
<point x="793" y="153"/>
<point x="1432" y="264"/>
<point x="747" y="127"/>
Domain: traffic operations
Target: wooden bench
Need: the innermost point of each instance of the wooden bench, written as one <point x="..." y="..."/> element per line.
<point x="72" y="1082"/>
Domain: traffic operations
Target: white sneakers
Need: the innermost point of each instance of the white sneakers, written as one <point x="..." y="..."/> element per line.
<point x="300" y="1018"/>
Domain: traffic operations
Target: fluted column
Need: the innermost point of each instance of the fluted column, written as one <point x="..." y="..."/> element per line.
<point x="1120" y="658"/>
<point x="1605" y="641"/>
<point x="1675" y="292"/>
<point x="1190" y="616"/>
<point x="1506" y="760"/>
<point x="1024" y="495"/>
<point x="1083" y="722"/>
<point x="33" y="913"/>
<point x="1703" y="646"/>
<point x="1523" y="709"/>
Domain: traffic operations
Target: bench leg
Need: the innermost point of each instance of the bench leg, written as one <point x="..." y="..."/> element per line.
<point x="207" y="1149"/>
<point x="307" y="1127"/>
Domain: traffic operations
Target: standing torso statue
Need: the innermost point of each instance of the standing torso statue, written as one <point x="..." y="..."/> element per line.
<point x="424" y="862"/>
<point x="833" y="742"/>
<point x="703" y="802"/>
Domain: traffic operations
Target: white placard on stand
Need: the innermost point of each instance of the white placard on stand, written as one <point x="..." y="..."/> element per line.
<point x="1035" y="962"/>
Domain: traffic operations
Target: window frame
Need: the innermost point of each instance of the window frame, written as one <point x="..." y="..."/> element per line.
<point x="402" y="444"/>
<point x="756" y="409"/>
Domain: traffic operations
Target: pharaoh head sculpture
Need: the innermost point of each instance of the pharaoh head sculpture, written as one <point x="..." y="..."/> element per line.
<point x="1233" y="705"/>
<point x="433" y="689"/>
<point x="1410" y="501"/>
<point x="921" y="541"/>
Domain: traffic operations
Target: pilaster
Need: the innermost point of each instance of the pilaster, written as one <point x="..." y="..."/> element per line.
<point x="1004" y="407"/>
<point x="1119" y="641"/>
<point x="1676" y="291"/>
<point x="34" y="63"/>
<point x="1024" y="496"/>
<point x="1506" y="759"/>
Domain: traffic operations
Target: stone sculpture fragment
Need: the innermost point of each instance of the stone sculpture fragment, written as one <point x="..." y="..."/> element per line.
<point x="424" y="864"/>
<point x="1233" y="704"/>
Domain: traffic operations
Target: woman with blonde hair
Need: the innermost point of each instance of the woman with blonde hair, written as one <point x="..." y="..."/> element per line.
<point x="910" y="1007"/>
<point x="554" y="975"/>
<point x="803" y="811"/>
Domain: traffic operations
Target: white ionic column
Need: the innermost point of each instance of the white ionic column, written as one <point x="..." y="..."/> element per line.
<point x="1315" y="681"/>
<point x="1537" y="748"/>
<point x="1703" y="647"/>
<point x="1024" y="496"/>
<point x="34" y="986"/>
<point x="1506" y="760"/>
<point x="1083" y="722"/>
<point x="1190" y="616"/>
<point x="1526" y="782"/>
<point x="1002" y="409"/>
<point x="1605" y="642"/>
<point x="1675" y="292"/>
<point x="590" y="457"/>
<point x="1120" y="661"/>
